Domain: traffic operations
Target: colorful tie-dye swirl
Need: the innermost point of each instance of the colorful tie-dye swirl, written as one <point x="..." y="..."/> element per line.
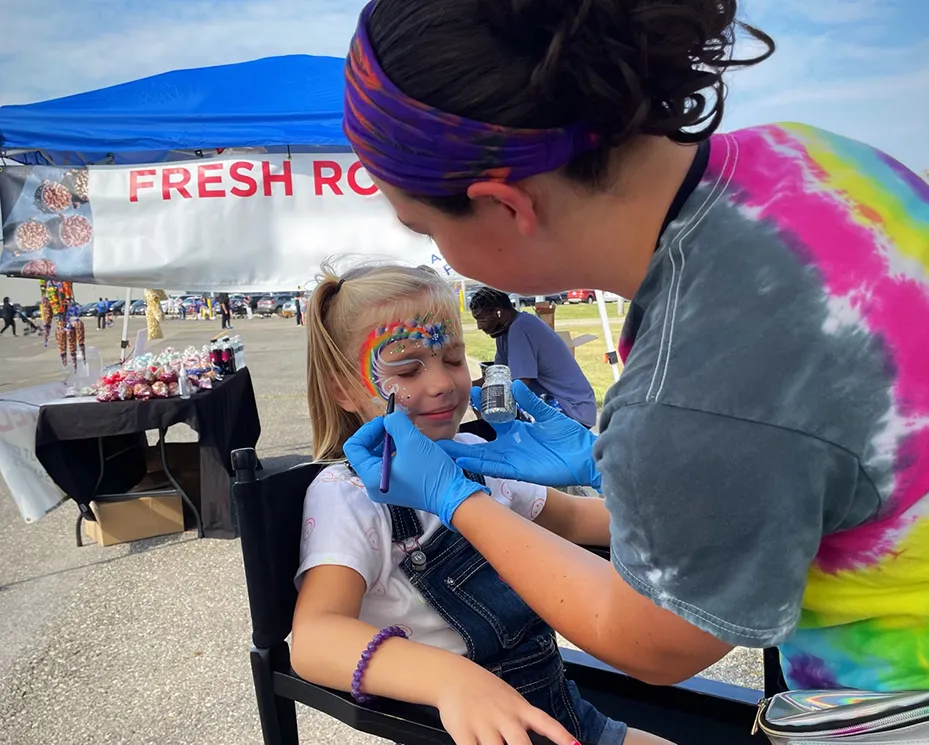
<point x="425" y="151"/>
<point x="374" y="370"/>
<point x="860" y="221"/>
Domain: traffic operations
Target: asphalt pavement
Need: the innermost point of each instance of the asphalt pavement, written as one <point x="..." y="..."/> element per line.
<point x="148" y="642"/>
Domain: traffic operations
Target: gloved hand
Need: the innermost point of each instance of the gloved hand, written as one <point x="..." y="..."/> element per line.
<point x="422" y="476"/>
<point x="554" y="450"/>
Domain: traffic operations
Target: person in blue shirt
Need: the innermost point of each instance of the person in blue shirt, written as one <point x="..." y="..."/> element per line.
<point x="102" y="307"/>
<point x="535" y="354"/>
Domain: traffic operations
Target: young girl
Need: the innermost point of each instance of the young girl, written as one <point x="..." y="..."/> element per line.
<point x="373" y="574"/>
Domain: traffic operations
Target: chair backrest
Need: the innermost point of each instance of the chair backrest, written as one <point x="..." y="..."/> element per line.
<point x="270" y="514"/>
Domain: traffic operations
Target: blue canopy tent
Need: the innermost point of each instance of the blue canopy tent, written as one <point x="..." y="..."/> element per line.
<point x="263" y="110"/>
<point x="274" y="103"/>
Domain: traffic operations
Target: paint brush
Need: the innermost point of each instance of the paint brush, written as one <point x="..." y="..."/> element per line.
<point x="388" y="449"/>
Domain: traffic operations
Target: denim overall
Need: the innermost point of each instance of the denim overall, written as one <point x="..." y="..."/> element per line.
<point x="501" y="632"/>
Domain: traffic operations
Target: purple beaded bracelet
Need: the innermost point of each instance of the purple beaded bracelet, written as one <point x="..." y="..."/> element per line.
<point x="379" y="638"/>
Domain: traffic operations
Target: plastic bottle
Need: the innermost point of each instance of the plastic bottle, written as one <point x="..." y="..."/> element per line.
<point x="183" y="384"/>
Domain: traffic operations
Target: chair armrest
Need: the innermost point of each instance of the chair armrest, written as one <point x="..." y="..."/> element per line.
<point x="392" y="720"/>
<point x="602" y="551"/>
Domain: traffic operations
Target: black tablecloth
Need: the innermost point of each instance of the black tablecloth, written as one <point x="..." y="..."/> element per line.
<point x="226" y="418"/>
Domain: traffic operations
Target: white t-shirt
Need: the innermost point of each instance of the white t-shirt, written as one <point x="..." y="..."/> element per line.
<point x="343" y="527"/>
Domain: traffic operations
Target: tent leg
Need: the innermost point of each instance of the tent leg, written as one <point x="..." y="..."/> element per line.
<point x="608" y="334"/>
<point x="124" y="342"/>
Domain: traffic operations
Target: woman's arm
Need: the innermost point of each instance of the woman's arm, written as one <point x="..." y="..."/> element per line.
<point x="475" y="705"/>
<point x="584" y="597"/>
<point x="581" y="520"/>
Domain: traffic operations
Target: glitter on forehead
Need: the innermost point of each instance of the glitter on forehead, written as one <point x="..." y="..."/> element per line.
<point x="417" y="330"/>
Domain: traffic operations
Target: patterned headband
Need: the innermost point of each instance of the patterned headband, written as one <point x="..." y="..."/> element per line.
<point x="427" y="152"/>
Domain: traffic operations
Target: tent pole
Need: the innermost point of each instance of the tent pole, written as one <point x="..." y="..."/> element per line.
<point x="124" y="342"/>
<point x="607" y="334"/>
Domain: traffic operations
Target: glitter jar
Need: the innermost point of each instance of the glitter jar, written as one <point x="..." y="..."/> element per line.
<point x="497" y="403"/>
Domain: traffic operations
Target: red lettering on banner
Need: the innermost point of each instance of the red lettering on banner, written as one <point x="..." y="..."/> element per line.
<point x="283" y="178"/>
<point x="168" y="182"/>
<point x="365" y="191"/>
<point x="241" y="179"/>
<point x="135" y="184"/>
<point x="331" y="179"/>
<point x="204" y="180"/>
<point x="251" y="186"/>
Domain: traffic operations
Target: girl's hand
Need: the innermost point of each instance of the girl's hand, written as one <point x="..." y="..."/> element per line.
<point x="477" y="708"/>
<point x="554" y="450"/>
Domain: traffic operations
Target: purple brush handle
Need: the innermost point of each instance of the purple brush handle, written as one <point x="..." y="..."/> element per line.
<point x="385" y="463"/>
<point x="388" y="450"/>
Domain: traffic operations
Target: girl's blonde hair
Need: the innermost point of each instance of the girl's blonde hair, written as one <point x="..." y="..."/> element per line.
<point x="341" y="310"/>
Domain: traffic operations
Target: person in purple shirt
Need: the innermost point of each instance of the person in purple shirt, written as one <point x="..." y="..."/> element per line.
<point x="535" y="354"/>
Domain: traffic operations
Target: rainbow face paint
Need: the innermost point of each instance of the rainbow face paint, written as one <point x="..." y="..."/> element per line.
<point x="376" y="372"/>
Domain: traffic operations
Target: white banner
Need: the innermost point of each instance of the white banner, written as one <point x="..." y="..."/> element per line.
<point x="33" y="490"/>
<point x="258" y="222"/>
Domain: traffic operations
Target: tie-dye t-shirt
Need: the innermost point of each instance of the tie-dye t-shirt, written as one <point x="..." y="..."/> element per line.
<point x="765" y="455"/>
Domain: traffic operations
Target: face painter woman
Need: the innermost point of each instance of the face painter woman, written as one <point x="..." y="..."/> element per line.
<point x="765" y="455"/>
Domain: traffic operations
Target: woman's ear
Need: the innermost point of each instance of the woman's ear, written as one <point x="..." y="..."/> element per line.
<point x="515" y="203"/>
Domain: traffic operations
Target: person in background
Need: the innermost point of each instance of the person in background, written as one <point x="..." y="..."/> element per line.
<point x="535" y="354"/>
<point x="224" y="310"/>
<point x="298" y="309"/>
<point x="101" y="308"/>
<point x="8" y="314"/>
<point x="181" y="308"/>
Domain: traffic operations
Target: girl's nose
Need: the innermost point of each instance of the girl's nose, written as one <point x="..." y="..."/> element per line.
<point x="438" y="379"/>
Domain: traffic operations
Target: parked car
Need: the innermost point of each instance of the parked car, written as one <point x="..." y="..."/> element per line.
<point x="522" y="301"/>
<point x="590" y="296"/>
<point x="273" y="303"/>
<point x="137" y="308"/>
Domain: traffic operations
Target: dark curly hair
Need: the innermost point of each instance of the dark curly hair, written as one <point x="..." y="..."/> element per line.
<point x="625" y="67"/>
<point x="487" y="298"/>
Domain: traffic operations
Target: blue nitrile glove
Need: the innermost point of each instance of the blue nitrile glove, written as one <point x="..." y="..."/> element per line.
<point x="554" y="450"/>
<point x="422" y="476"/>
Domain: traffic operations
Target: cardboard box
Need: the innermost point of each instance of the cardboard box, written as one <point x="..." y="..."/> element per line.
<point x="126" y="520"/>
<point x="574" y="342"/>
<point x="135" y="519"/>
<point x="546" y="311"/>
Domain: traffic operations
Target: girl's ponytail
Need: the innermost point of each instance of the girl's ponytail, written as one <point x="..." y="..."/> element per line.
<point x="327" y="371"/>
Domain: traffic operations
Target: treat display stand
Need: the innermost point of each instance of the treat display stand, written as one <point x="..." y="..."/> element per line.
<point x="96" y="452"/>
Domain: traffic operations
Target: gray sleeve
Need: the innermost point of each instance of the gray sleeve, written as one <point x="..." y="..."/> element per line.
<point x="718" y="519"/>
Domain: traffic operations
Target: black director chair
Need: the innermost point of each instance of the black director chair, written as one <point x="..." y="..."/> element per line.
<point x="270" y="509"/>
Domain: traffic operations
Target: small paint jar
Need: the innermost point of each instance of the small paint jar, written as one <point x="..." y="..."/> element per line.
<point x="497" y="403"/>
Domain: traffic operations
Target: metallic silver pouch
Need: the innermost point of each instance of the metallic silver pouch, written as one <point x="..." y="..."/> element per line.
<point x="824" y="717"/>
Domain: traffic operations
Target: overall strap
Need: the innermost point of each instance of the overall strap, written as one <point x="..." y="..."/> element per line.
<point x="405" y="524"/>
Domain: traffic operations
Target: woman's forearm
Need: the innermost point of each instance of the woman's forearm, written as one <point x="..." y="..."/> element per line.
<point x="584" y="598"/>
<point x="326" y="649"/>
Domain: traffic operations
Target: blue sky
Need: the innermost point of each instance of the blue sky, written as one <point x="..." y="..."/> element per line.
<point x="857" y="67"/>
